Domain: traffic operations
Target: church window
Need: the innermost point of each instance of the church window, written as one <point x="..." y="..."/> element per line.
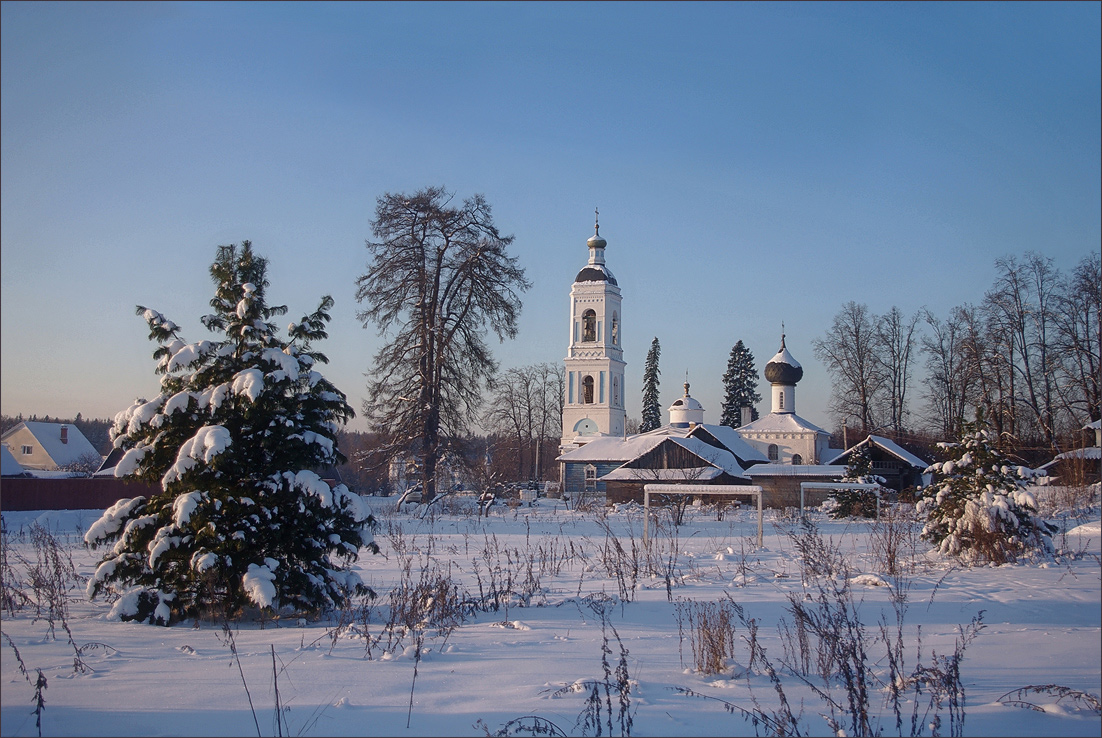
<point x="590" y="476"/>
<point x="616" y="391"/>
<point x="570" y="388"/>
<point x="780" y="400"/>
<point x="774" y="452"/>
<point x="587" y="390"/>
<point x="797" y="459"/>
<point x="615" y="329"/>
<point x="589" y="326"/>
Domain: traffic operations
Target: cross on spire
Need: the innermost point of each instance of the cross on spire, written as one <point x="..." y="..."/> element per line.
<point x="596" y="222"/>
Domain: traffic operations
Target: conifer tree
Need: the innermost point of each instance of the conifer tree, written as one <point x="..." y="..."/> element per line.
<point x="979" y="510"/>
<point x="652" y="413"/>
<point x="855" y="503"/>
<point x="740" y="386"/>
<point x="232" y="441"/>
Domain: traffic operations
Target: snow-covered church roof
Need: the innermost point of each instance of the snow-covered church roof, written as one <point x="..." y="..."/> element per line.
<point x="781" y="423"/>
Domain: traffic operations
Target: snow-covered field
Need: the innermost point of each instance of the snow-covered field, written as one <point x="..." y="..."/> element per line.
<point x="563" y="590"/>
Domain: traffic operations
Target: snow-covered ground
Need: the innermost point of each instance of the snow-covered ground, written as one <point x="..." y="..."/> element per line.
<point x="539" y="653"/>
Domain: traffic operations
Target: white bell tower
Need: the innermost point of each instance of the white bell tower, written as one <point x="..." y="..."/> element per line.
<point x="594" y="402"/>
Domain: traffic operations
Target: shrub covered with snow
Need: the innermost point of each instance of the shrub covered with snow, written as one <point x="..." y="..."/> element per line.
<point x="979" y="508"/>
<point x="233" y="440"/>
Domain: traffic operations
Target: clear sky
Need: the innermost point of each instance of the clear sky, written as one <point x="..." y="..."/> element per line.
<point x="753" y="163"/>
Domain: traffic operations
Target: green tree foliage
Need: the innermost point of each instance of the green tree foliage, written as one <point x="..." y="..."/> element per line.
<point x="740" y="386"/>
<point x="652" y="413"/>
<point x="233" y="440"/>
<point x="979" y="509"/>
<point x="855" y="503"/>
<point x="440" y="278"/>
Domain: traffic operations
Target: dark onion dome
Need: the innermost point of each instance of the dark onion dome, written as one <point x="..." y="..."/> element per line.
<point x="595" y="273"/>
<point x="783" y="368"/>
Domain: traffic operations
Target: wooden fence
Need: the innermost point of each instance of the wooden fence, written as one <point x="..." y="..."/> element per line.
<point x="81" y="493"/>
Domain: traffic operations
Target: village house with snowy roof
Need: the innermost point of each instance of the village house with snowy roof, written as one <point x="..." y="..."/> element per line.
<point x="778" y="452"/>
<point x="41" y="446"/>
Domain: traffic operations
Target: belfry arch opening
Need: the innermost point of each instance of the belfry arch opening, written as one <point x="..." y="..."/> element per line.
<point x="589" y="325"/>
<point x="587" y="390"/>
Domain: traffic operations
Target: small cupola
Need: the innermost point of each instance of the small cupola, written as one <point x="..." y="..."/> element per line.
<point x="595" y="270"/>
<point x="685" y="412"/>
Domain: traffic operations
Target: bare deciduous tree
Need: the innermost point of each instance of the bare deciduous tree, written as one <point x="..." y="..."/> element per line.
<point x="948" y="378"/>
<point x="440" y="279"/>
<point x="848" y="350"/>
<point x="527" y="404"/>
<point x="895" y="341"/>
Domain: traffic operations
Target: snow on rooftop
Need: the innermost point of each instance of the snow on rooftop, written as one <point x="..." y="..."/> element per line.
<point x="9" y="467"/>
<point x="781" y="423"/>
<point x="891" y="447"/>
<point x="49" y="436"/>
<point x="730" y="438"/>
<point x="796" y="470"/>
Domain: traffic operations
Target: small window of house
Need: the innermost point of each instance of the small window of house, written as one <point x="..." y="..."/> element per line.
<point x="774" y="452"/>
<point x="590" y="476"/>
<point x="28" y="450"/>
<point x="587" y="390"/>
<point x="589" y="326"/>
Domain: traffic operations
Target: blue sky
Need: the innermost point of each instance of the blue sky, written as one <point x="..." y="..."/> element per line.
<point x="753" y="164"/>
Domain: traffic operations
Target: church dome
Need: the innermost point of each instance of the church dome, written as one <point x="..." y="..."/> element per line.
<point x="595" y="273"/>
<point x="596" y="242"/>
<point x="686" y="411"/>
<point x="783" y="368"/>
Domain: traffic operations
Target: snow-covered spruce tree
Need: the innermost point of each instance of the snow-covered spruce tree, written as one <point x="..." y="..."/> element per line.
<point x="979" y="509"/>
<point x="233" y="440"/>
<point x="740" y="387"/>
<point x="652" y="414"/>
<point x="855" y="503"/>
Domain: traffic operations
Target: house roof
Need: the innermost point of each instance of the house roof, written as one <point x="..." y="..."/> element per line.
<point x="1090" y="453"/>
<point x="616" y="448"/>
<point x="781" y="423"/>
<point x="9" y="467"/>
<point x="696" y="473"/>
<point x="887" y="445"/>
<point x="48" y="436"/>
<point x="731" y="440"/>
<point x="796" y="470"/>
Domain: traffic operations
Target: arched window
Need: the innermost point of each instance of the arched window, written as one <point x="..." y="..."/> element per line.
<point x="589" y="326"/>
<point x="797" y="459"/>
<point x="616" y="392"/>
<point x="587" y="390"/>
<point x="590" y="476"/>
<point x="615" y="328"/>
<point x="774" y="452"/>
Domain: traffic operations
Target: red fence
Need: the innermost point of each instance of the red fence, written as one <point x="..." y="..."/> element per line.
<point x="83" y="493"/>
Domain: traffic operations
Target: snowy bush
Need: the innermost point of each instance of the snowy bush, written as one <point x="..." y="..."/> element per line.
<point x="979" y="508"/>
<point x="232" y="441"/>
